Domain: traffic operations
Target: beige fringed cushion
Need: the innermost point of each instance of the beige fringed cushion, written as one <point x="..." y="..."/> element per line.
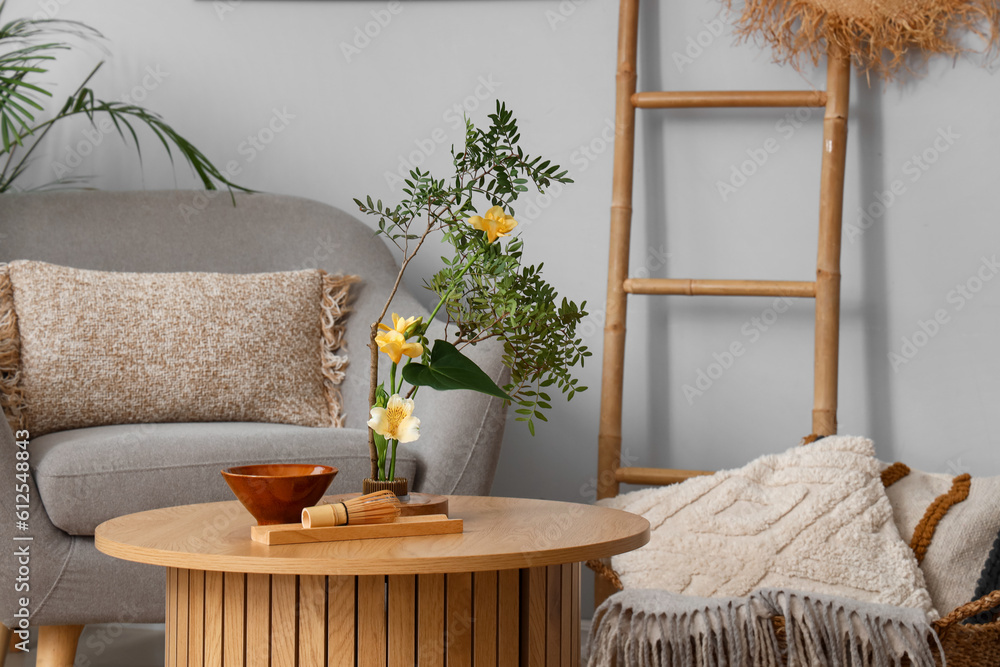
<point x="815" y="519"/>
<point x="86" y="348"/>
<point x="880" y="35"/>
<point x="951" y="522"/>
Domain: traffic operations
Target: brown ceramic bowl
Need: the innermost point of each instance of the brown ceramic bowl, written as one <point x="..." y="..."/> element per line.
<point x="278" y="492"/>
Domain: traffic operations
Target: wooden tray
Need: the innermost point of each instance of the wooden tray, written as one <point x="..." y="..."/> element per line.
<point x="404" y="526"/>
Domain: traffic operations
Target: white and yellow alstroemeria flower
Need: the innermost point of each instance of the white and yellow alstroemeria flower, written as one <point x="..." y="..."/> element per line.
<point x="394" y="344"/>
<point x="496" y="223"/>
<point x="400" y="324"/>
<point x="396" y="421"/>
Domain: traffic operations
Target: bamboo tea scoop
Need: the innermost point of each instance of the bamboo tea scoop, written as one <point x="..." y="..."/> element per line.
<point x="378" y="507"/>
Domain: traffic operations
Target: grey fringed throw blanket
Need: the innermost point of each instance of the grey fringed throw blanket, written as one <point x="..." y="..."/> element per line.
<point x="653" y="628"/>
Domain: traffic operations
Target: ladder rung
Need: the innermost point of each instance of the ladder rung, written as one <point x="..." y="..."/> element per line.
<point x="688" y="287"/>
<point x="659" y="476"/>
<point x="729" y="98"/>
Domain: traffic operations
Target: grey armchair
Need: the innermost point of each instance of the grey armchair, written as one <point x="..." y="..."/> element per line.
<point x="83" y="477"/>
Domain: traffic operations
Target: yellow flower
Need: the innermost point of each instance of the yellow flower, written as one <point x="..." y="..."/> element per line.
<point x="395" y="420"/>
<point x="394" y="344"/>
<point x="496" y="223"/>
<point x="400" y="324"/>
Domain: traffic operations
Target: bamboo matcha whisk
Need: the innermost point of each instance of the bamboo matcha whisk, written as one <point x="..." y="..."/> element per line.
<point x="378" y="507"/>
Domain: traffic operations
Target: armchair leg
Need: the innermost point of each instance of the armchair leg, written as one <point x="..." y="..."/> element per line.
<point x="7" y="642"/>
<point x="57" y="645"/>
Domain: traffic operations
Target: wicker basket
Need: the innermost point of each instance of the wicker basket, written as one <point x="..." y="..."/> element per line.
<point x="968" y="645"/>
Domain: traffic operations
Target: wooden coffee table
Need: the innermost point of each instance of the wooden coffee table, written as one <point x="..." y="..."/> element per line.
<point x="504" y="592"/>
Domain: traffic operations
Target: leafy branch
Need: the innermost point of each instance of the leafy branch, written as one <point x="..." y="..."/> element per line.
<point x="483" y="287"/>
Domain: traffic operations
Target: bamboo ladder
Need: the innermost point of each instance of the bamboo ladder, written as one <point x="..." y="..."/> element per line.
<point x="825" y="289"/>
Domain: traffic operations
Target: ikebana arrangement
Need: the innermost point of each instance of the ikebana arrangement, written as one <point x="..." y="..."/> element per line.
<point x="484" y="291"/>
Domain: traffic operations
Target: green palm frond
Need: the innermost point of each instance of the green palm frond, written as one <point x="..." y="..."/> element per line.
<point x="23" y="56"/>
<point x="124" y="116"/>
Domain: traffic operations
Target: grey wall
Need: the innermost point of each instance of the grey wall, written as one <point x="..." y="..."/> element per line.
<point x="346" y="116"/>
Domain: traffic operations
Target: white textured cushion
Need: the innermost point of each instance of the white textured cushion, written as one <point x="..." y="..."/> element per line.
<point x="86" y="348"/>
<point x="815" y="518"/>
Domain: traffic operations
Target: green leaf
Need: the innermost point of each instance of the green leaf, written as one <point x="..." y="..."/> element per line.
<point x="382" y="447"/>
<point x="450" y="369"/>
<point x="381" y="396"/>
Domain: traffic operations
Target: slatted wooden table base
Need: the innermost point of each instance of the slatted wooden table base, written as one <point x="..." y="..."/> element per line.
<point x="496" y="618"/>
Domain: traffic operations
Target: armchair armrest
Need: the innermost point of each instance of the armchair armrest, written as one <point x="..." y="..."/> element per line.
<point x="48" y="550"/>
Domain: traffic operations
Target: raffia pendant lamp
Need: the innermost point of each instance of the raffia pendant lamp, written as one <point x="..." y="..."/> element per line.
<point x="885" y="37"/>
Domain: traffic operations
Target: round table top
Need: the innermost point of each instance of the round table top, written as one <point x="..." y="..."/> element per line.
<point x="499" y="534"/>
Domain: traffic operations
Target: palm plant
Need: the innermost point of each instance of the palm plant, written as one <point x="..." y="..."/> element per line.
<point x="27" y="46"/>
